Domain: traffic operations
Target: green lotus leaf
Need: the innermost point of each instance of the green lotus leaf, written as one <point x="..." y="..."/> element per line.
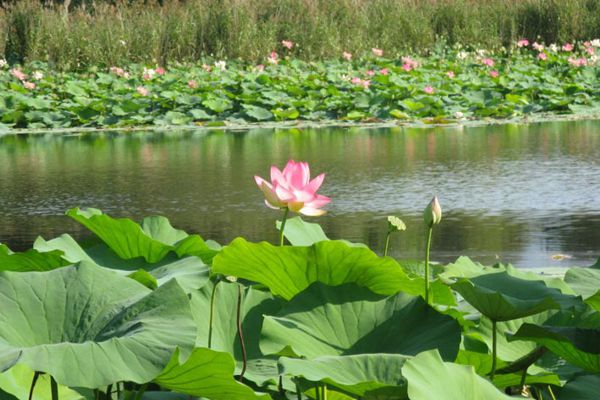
<point x="17" y="382"/>
<point x="302" y="233"/>
<point x="349" y="320"/>
<point x="152" y="240"/>
<point x="585" y="282"/>
<point x="287" y="270"/>
<point x="579" y="346"/>
<point x="582" y="387"/>
<point x="83" y="325"/>
<point x="207" y="374"/>
<point x="31" y="260"/>
<point x="365" y="375"/>
<point x="429" y="377"/>
<point x="502" y="297"/>
<point x="255" y="304"/>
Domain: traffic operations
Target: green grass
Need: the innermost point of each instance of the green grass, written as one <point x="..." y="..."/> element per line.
<point x="132" y="32"/>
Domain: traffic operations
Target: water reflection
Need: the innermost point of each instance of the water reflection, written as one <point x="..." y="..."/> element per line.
<point x="516" y="193"/>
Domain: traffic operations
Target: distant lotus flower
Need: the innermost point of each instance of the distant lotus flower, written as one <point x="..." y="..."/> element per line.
<point x="377" y="52"/>
<point x="408" y="64"/>
<point x="567" y="47"/>
<point x="17" y="73"/>
<point x="384" y="71"/>
<point x="148" y="74"/>
<point x="192" y="84"/>
<point x="590" y="50"/>
<point x="523" y="43"/>
<point x="429" y="90"/>
<point x="3" y="63"/>
<point x="450" y="74"/>
<point x="260" y="67"/>
<point x="288" y="44"/>
<point x="595" y="43"/>
<point x="37" y="75"/>
<point x="119" y="72"/>
<point x="142" y="90"/>
<point x="273" y="58"/>
<point x="160" y="71"/>
<point x="370" y="72"/>
<point x="459" y="115"/>
<point x="542" y="56"/>
<point x="462" y="55"/>
<point x="361" y="82"/>
<point x="347" y="56"/>
<point x="553" y="48"/>
<point x="29" y="85"/>
<point x="206" y="67"/>
<point x="577" y="62"/>
<point x="494" y="74"/>
<point x="221" y="65"/>
<point x="587" y="43"/>
<point x="293" y="189"/>
<point x="537" y="46"/>
<point x="488" y="61"/>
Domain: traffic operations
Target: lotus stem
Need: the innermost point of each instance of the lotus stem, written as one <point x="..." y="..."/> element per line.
<point x="141" y="391"/>
<point x="241" y="332"/>
<point x="36" y="375"/>
<point x="427" y="249"/>
<point x="387" y="243"/>
<point x="283" y="221"/>
<point x="298" y="391"/>
<point x="324" y="391"/>
<point x="551" y="393"/>
<point x="494" y="350"/>
<point x="109" y="392"/>
<point x="119" y="390"/>
<point x="53" y="388"/>
<point x="523" y="379"/>
<point x="280" y="386"/>
<point x="212" y="312"/>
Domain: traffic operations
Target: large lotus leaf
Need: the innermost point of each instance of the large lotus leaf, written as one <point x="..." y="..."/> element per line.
<point x="583" y="387"/>
<point x="31" y="260"/>
<point x="255" y="304"/>
<point x="431" y="378"/>
<point x="190" y="272"/>
<point x="207" y="374"/>
<point x="365" y="375"/>
<point x="287" y="270"/>
<point x="17" y="381"/>
<point x="129" y="240"/>
<point x="84" y="325"/>
<point x="502" y="297"/>
<point x="585" y="282"/>
<point x="578" y="346"/>
<point x="349" y="319"/>
<point x="301" y="233"/>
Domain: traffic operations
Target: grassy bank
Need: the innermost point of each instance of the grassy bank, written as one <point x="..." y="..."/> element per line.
<point x="103" y="34"/>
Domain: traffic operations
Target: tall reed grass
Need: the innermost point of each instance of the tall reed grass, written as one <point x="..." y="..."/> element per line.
<point x="118" y="32"/>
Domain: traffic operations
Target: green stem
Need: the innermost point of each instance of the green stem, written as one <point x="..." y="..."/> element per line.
<point x="494" y="350"/>
<point x="109" y="392"/>
<point x="53" y="388"/>
<point x="523" y="379"/>
<point x="298" y="392"/>
<point x="387" y="243"/>
<point x="141" y="391"/>
<point x="212" y="312"/>
<point x="324" y="388"/>
<point x="36" y="375"/>
<point x="427" y="249"/>
<point x="283" y="221"/>
<point x="241" y="333"/>
<point x="551" y="393"/>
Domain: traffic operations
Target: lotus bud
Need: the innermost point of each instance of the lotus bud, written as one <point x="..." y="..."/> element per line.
<point x="433" y="213"/>
<point x="395" y="224"/>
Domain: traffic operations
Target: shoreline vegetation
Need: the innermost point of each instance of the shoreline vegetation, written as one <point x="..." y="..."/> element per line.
<point x="79" y="34"/>
<point x="449" y="85"/>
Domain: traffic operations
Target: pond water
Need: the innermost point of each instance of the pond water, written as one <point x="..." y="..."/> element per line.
<point x="511" y="193"/>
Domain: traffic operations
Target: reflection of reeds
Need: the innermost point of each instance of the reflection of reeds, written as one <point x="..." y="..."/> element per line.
<point x="107" y="32"/>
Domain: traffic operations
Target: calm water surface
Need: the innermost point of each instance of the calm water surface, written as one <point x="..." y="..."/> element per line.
<point x="513" y="193"/>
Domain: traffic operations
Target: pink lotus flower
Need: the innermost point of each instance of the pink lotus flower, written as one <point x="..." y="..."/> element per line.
<point x="409" y="64"/>
<point x="537" y="46"/>
<point x="577" y="62"/>
<point x="288" y="44"/>
<point x="347" y="56"/>
<point x="450" y="74"/>
<point x="119" y="72"/>
<point x="384" y="71"/>
<point x="494" y="74"/>
<point x="361" y="82"/>
<point x="587" y="43"/>
<point x="142" y="90"/>
<point x="160" y="71"/>
<point x="28" y="85"/>
<point x="523" y="43"/>
<point x="17" y="73"/>
<point x="192" y="84"/>
<point x="542" y="56"/>
<point x="590" y="50"/>
<point x="293" y="189"/>
<point x="377" y="52"/>
<point x="429" y="90"/>
<point x="567" y="47"/>
<point x="273" y="58"/>
<point x="370" y="72"/>
<point x="488" y="61"/>
<point x="260" y="67"/>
